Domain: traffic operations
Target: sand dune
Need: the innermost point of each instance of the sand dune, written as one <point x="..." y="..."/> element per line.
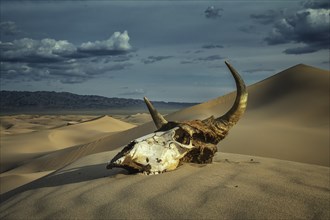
<point x="233" y="187"/>
<point x="21" y="149"/>
<point x="136" y="119"/>
<point x="287" y="118"/>
<point x="18" y="124"/>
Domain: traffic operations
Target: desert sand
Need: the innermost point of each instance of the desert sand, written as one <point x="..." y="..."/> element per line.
<point x="274" y="164"/>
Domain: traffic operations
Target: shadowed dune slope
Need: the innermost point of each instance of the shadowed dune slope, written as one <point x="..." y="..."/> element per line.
<point x="232" y="187"/>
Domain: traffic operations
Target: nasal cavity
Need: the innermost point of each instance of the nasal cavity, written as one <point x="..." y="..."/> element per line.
<point x="182" y="136"/>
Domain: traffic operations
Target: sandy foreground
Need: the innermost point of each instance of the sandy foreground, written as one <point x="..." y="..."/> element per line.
<point x="274" y="164"/>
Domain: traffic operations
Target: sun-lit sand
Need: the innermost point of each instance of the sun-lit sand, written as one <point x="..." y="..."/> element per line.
<point x="274" y="164"/>
<point x="21" y="150"/>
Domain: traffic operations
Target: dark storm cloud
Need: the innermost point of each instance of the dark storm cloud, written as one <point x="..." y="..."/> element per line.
<point x="8" y="28"/>
<point x="213" y="12"/>
<point x="317" y="4"/>
<point x="308" y="26"/>
<point x="268" y="17"/>
<point x="153" y="59"/>
<point x="306" y="49"/>
<point x="12" y="70"/>
<point x="71" y="71"/>
<point x="212" y="46"/>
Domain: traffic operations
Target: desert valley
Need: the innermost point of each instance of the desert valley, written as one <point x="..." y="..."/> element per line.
<point x="274" y="164"/>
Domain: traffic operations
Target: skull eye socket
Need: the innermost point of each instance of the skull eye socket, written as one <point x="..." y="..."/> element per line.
<point x="182" y="136"/>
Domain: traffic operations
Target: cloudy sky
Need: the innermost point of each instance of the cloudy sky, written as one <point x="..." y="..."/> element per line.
<point x="165" y="50"/>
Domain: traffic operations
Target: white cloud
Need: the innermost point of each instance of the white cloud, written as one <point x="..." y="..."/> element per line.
<point x="28" y="59"/>
<point x="117" y="42"/>
<point x="51" y="50"/>
<point x="29" y="50"/>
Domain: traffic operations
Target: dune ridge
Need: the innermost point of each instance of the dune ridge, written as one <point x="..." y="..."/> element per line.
<point x="287" y="119"/>
<point x="31" y="145"/>
<point x="23" y="154"/>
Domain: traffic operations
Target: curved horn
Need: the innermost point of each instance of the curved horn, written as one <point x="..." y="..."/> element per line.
<point x="239" y="106"/>
<point x="159" y="120"/>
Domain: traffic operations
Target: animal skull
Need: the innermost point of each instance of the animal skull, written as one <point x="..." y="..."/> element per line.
<point x="177" y="142"/>
<point x="154" y="153"/>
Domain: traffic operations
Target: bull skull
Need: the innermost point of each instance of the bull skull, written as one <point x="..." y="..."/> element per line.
<point x="177" y="142"/>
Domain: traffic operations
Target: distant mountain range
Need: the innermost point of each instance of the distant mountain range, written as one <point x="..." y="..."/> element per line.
<point x="42" y="101"/>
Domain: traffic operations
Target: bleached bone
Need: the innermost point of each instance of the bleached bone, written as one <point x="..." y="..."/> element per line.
<point x="177" y="142"/>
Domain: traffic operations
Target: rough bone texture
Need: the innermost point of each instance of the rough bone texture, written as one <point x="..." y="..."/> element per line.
<point x="154" y="153"/>
<point x="205" y="135"/>
<point x="201" y="154"/>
